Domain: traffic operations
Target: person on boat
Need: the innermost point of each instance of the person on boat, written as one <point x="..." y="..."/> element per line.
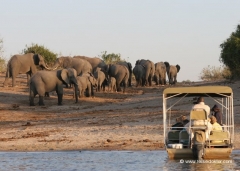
<point x="207" y="130"/>
<point x="215" y="125"/>
<point x="180" y="123"/>
<point x="217" y="113"/>
<point x="201" y="105"/>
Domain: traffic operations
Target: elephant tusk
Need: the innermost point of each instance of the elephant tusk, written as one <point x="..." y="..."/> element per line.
<point x="55" y="68"/>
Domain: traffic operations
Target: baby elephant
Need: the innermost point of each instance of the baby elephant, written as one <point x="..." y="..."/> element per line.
<point x="112" y="84"/>
<point x="47" y="81"/>
<point x="86" y="82"/>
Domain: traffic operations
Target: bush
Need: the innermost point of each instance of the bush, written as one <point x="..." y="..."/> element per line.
<point x="49" y="56"/>
<point x="212" y="73"/>
<point x="3" y="64"/>
<point x="110" y="58"/>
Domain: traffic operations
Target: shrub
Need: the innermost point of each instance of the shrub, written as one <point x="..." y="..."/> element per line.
<point x="212" y="73"/>
<point x="49" y="56"/>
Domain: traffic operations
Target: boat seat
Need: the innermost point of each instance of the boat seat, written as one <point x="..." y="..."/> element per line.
<point x="198" y="114"/>
<point x="184" y="138"/>
<point x="218" y="138"/>
<point x="173" y="136"/>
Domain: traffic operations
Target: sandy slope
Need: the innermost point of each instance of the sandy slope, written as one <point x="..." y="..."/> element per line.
<point x="110" y="121"/>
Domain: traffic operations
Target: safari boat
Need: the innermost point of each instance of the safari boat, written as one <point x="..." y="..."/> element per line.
<point x="182" y="142"/>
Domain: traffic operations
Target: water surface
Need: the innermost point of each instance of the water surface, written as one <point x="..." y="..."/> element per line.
<point x="107" y="161"/>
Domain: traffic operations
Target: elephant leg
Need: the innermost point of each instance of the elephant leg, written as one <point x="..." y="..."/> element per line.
<point x="47" y="94"/>
<point x="99" y="87"/>
<point x="92" y="92"/>
<point x="5" y="83"/>
<point x="150" y="81"/>
<point x="130" y="80"/>
<point x="41" y="101"/>
<point x="124" y="86"/>
<point x="60" y="96"/>
<point x="28" y="79"/>
<point x="175" y="80"/>
<point x="14" y="81"/>
<point x="31" y="100"/>
<point x="118" y="86"/>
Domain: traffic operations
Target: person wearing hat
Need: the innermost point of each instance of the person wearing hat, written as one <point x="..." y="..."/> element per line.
<point x="217" y="113"/>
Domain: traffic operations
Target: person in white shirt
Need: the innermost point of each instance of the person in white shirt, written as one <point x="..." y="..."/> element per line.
<point x="201" y="105"/>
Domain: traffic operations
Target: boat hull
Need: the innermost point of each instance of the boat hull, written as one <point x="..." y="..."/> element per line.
<point x="209" y="153"/>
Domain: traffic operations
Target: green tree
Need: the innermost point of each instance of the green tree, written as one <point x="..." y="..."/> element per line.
<point x="49" y="56"/>
<point x="212" y="73"/>
<point x="110" y="58"/>
<point x="230" y="53"/>
<point x="2" y="60"/>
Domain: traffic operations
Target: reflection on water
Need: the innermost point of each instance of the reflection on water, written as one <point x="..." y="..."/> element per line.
<point x="106" y="160"/>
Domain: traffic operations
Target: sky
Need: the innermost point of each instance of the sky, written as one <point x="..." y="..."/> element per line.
<point x="186" y="32"/>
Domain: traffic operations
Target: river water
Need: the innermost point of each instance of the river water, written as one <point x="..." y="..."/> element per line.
<point x="109" y="161"/>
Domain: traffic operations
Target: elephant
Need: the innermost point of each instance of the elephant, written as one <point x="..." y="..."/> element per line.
<point x="119" y="72"/>
<point x="149" y="71"/>
<point x="100" y="77"/>
<point x="47" y="81"/>
<point x="160" y="73"/>
<point x="86" y="82"/>
<point x="23" y="64"/>
<point x="129" y="67"/>
<point x="112" y="84"/>
<point x="95" y="62"/>
<point x="172" y="72"/>
<point x="80" y="65"/>
<point x="139" y="72"/>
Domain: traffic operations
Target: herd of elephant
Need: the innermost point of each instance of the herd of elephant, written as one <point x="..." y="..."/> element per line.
<point x="84" y="73"/>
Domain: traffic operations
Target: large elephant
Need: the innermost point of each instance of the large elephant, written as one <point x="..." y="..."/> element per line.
<point x="149" y="71"/>
<point x="172" y="72"/>
<point x="47" y="81"/>
<point x="95" y="62"/>
<point x="23" y="64"/>
<point x="100" y="77"/>
<point x="139" y="72"/>
<point x="119" y="72"/>
<point x="129" y="67"/>
<point x="160" y="73"/>
<point x="80" y="65"/>
<point x="86" y="82"/>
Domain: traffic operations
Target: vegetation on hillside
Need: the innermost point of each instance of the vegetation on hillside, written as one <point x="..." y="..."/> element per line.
<point x="48" y="55"/>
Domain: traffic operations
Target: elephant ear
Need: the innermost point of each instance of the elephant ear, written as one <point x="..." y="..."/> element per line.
<point x="178" y="68"/>
<point x="91" y="80"/>
<point x="129" y="66"/>
<point x="36" y="59"/>
<point x="137" y="62"/>
<point x="64" y="76"/>
<point x="167" y="64"/>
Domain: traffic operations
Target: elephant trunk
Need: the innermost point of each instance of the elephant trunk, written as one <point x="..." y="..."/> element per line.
<point x="76" y="92"/>
<point x="55" y="66"/>
<point x="45" y="66"/>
